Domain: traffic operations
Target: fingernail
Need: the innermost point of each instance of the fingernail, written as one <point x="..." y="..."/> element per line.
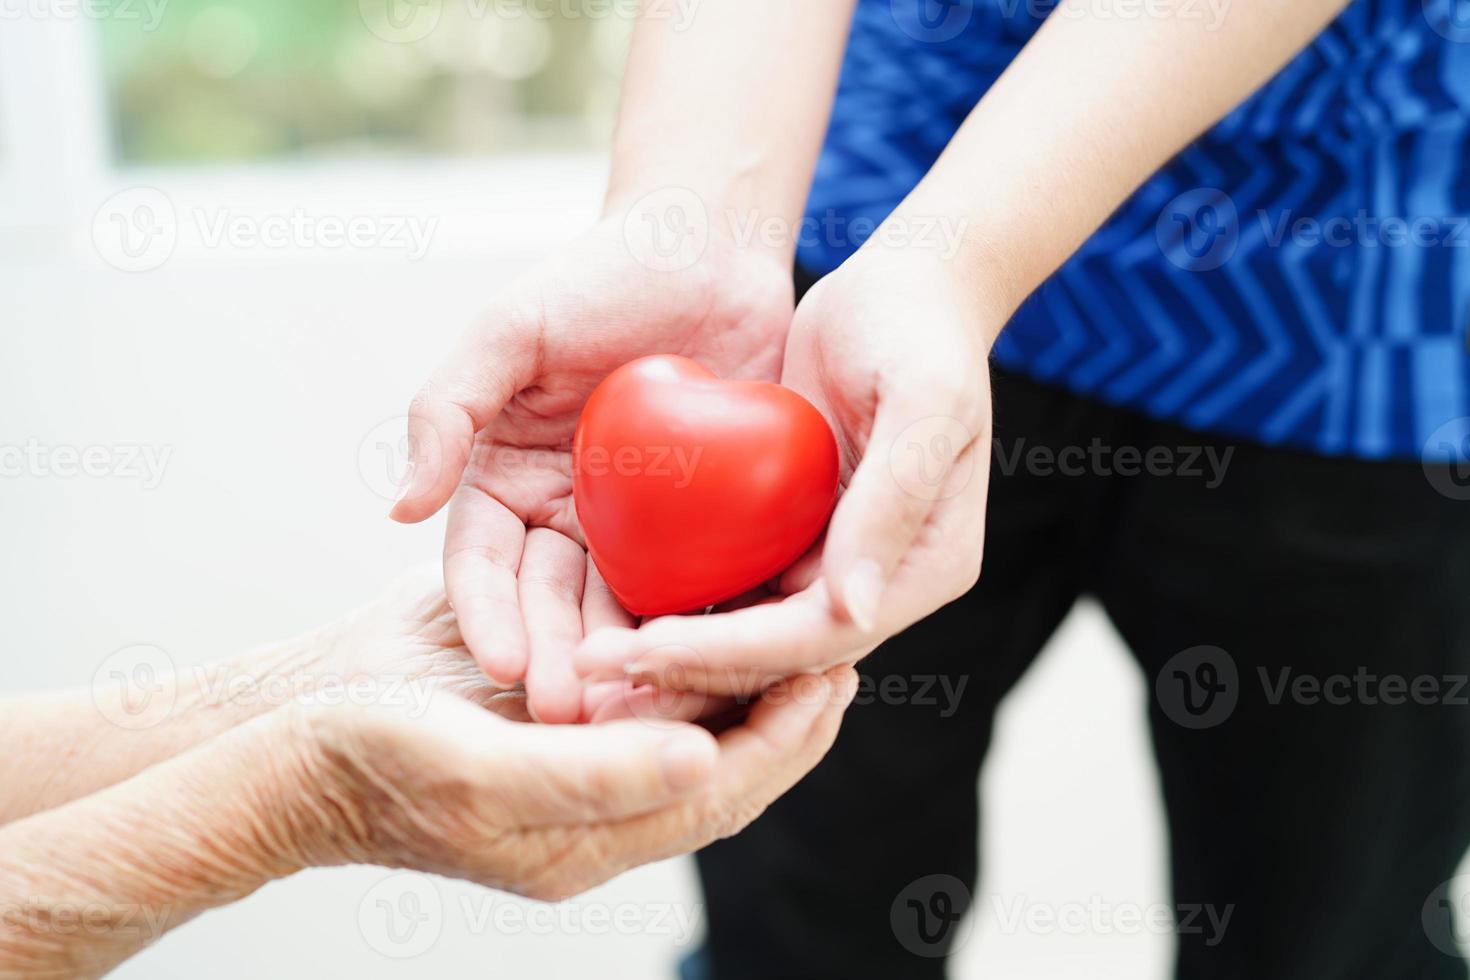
<point x="862" y="590"/>
<point x="846" y="687"/>
<point x="406" y="484"/>
<point x="602" y="654"/>
<point x="686" y="761"/>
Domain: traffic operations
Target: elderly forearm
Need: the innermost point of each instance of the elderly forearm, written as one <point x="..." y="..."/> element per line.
<point x="67" y="744"/>
<point x="1087" y="112"/>
<point x="730" y="102"/>
<point x="87" y="884"/>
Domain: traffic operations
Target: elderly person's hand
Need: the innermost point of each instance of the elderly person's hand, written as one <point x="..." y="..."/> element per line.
<point x="420" y="763"/>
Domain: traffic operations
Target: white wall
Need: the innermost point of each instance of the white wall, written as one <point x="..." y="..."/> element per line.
<point x="261" y="372"/>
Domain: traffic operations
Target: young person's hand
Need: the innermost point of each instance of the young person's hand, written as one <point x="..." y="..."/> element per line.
<point x="893" y="349"/>
<point x="493" y="430"/>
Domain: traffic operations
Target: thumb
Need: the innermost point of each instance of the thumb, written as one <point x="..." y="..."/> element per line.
<point x="488" y="367"/>
<point x="570" y="774"/>
<point x="910" y="463"/>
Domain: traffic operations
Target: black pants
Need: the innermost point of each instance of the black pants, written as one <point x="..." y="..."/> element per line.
<point x="1324" y="824"/>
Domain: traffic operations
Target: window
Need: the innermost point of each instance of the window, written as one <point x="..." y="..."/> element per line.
<point x="197" y="81"/>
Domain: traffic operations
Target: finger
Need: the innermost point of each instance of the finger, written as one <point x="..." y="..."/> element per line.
<point x="599" y="606"/>
<point x="732" y="653"/>
<point x="551" y="575"/>
<point x="804" y="571"/>
<point x="577" y="774"/>
<point x="784" y="736"/>
<point x="482" y="552"/>
<point x="907" y="466"/>
<point x="648" y="702"/>
<point x="467" y="392"/>
<point x="600" y="693"/>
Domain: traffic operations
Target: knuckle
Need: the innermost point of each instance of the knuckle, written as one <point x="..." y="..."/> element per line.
<point x="554" y="586"/>
<point x="487" y="553"/>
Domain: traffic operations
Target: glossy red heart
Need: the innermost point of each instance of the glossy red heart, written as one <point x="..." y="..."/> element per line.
<point x="692" y="490"/>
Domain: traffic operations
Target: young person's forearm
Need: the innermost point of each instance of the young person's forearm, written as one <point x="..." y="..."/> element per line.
<point x="88" y="884"/>
<point x="66" y="744"/>
<point x="731" y="103"/>
<point x="1090" y="109"/>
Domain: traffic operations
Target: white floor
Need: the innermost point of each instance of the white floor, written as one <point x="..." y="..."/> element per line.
<point x="262" y="373"/>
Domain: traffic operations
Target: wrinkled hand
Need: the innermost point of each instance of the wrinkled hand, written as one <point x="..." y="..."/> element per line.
<point x="893" y="350"/>
<point x="493" y="429"/>
<point x="440" y="784"/>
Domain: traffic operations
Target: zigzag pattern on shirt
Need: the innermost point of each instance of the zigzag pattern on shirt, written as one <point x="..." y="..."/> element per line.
<point x="1254" y="287"/>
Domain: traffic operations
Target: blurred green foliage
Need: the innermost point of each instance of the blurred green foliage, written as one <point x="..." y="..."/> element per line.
<point x="232" y="80"/>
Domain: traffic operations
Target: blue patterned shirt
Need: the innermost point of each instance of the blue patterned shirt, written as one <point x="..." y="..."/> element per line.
<point x="1300" y="275"/>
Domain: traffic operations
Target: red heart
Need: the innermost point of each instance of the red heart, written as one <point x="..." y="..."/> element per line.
<point x="692" y="490"/>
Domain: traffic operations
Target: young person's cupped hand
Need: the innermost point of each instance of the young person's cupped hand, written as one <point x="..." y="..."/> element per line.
<point x="892" y="348"/>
